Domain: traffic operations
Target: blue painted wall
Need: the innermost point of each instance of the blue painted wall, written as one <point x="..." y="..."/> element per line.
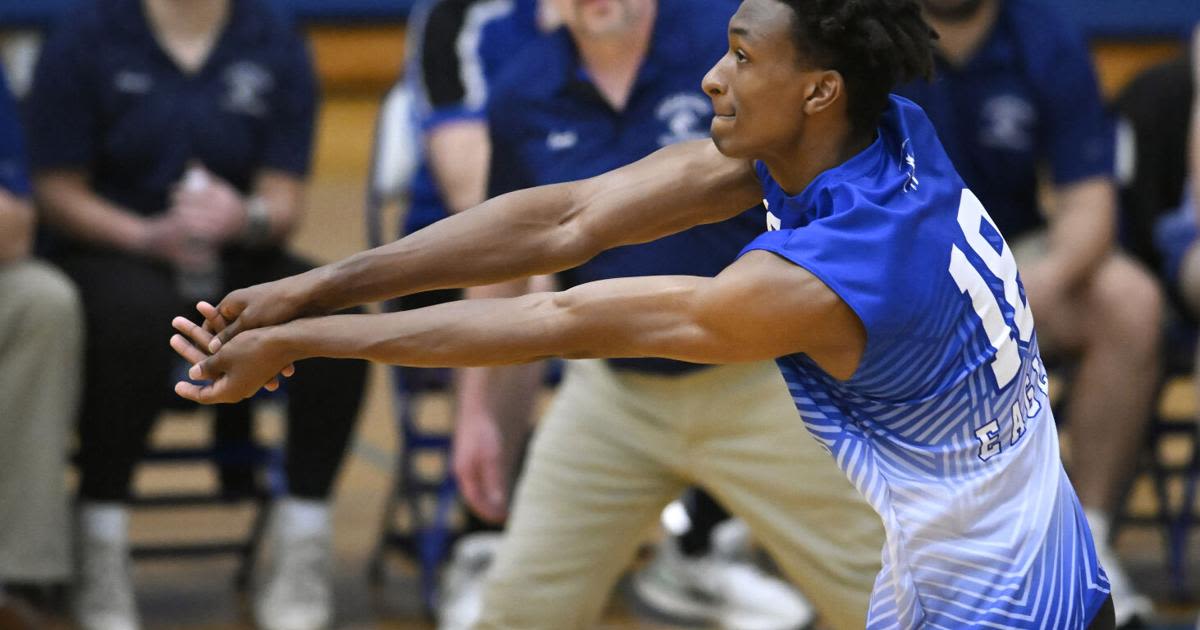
<point x="1099" y="18"/>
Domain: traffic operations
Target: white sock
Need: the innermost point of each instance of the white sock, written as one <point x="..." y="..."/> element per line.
<point x="302" y="518"/>
<point x="104" y="520"/>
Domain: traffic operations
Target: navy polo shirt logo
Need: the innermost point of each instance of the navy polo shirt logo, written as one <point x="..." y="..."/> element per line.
<point x="561" y="140"/>
<point x="132" y="82"/>
<point x="685" y="115"/>
<point x="247" y="83"/>
<point x="1007" y="122"/>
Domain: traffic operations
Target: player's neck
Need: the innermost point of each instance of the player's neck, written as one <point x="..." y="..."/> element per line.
<point x="187" y="29"/>
<point x="816" y="153"/>
<point x="958" y="40"/>
<point x="613" y="62"/>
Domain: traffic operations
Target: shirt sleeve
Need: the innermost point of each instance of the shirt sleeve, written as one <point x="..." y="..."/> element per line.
<point x="61" y="108"/>
<point x="506" y="170"/>
<point x="1079" y="133"/>
<point x="290" y="132"/>
<point x="444" y="69"/>
<point x="13" y="174"/>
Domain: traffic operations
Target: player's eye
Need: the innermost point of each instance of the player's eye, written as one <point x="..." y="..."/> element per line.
<point x="739" y="55"/>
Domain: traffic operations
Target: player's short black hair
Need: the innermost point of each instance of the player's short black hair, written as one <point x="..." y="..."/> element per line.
<point x="874" y="44"/>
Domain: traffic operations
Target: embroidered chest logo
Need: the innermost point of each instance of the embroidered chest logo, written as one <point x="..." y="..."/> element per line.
<point x="908" y="164"/>
<point x="132" y="82"/>
<point x="561" y="140"/>
<point x="1007" y="122"/>
<point x="247" y="84"/>
<point x="685" y="116"/>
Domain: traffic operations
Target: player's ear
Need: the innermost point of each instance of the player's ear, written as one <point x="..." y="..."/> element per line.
<point x="824" y="89"/>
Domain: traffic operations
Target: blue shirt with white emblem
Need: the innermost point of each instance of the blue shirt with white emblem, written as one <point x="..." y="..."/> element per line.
<point x="1027" y="99"/>
<point x="107" y="99"/>
<point x="550" y="124"/>
<point x="945" y="426"/>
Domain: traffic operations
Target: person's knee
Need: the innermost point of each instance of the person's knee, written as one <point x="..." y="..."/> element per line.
<point x="1128" y="306"/>
<point x="51" y="302"/>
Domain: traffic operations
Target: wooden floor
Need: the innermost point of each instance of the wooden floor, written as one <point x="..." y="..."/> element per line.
<point x="199" y="593"/>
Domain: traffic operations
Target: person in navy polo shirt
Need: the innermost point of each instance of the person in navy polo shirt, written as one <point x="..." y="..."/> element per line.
<point x="41" y="344"/>
<point x="1016" y="97"/>
<point x="619" y="82"/>
<point x="170" y="142"/>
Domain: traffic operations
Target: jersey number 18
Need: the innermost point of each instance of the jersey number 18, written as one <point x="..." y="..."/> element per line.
<point x="1006" y="361"/>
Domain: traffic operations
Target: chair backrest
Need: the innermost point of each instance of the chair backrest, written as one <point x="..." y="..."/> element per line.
<point x="1154" y="109"/>
<point x="394" y="160"/>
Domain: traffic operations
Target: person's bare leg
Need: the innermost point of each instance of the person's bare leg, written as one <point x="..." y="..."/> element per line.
<point x="1120" y="316"/>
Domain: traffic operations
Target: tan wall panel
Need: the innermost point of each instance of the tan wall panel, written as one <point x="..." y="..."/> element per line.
<point x="358" y="57"/>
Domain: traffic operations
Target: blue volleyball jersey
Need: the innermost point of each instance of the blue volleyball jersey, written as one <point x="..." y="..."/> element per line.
<point x="945" y="426"/>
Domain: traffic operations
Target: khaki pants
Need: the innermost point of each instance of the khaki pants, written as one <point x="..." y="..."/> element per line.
<point x="41" y="334"/>
<point x="615" y="448"/>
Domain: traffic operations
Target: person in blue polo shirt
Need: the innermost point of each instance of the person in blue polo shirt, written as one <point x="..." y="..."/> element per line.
<point x="41" y="343"/>
<point x="619" y="82"/>
<point x="169" y="143"/>
<point x="1016" y="97"/>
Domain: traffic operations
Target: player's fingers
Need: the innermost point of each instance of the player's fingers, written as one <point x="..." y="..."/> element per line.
<point x="272" y="385"/>
<point x="187" y="349"/>
<point x="225" y="335"/>
<point x="214" y="322"/>
<point x="205" y="395"/>
<point x="493" y="486"/>
<point x="198" y="335"/>
<point x="289" y="370"/>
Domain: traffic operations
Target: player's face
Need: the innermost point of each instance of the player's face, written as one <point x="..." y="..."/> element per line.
<point x="599" y="18"/>
<point x="758" y="87"/>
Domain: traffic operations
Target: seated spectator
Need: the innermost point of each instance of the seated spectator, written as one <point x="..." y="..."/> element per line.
<point x="41" y="337"/>
<point x="170" y="142"/>
<point x="1016" y="89"/>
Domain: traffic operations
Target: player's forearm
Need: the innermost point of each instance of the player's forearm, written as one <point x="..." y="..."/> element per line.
<point x="631" y="317"/>
<point x="519" y="234"/>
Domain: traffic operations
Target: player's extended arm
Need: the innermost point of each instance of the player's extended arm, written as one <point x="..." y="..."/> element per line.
<point x="539" y="230"/>
<point x="760" y="307"/>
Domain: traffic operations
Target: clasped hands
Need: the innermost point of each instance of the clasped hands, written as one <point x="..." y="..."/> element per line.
<point x="237" y="349"/>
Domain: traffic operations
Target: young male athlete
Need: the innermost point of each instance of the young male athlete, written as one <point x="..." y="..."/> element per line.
<point x="882" y="287"/>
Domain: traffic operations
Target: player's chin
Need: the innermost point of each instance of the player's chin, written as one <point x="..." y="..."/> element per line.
<point x="726" y="141"/>
<point x="724" y="137"/>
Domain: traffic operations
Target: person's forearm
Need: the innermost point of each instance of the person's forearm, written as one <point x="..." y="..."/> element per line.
<point x="545" y="229"/>
<point x="1083" y="230"/>
<point x="628" y="317"/>
<point x="282" y="198"/>
<point x="72" y="207"/>
<point x="16" y="227"/>
<point x="507" y="237"/>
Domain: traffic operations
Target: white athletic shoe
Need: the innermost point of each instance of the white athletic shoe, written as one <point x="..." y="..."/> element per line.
<point x="1130" y="607"/>
<point x="460" y="600"/>
<point x="297" y="592"/>
<point x="720" y="589"/>
<point x="104" y="591"/>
